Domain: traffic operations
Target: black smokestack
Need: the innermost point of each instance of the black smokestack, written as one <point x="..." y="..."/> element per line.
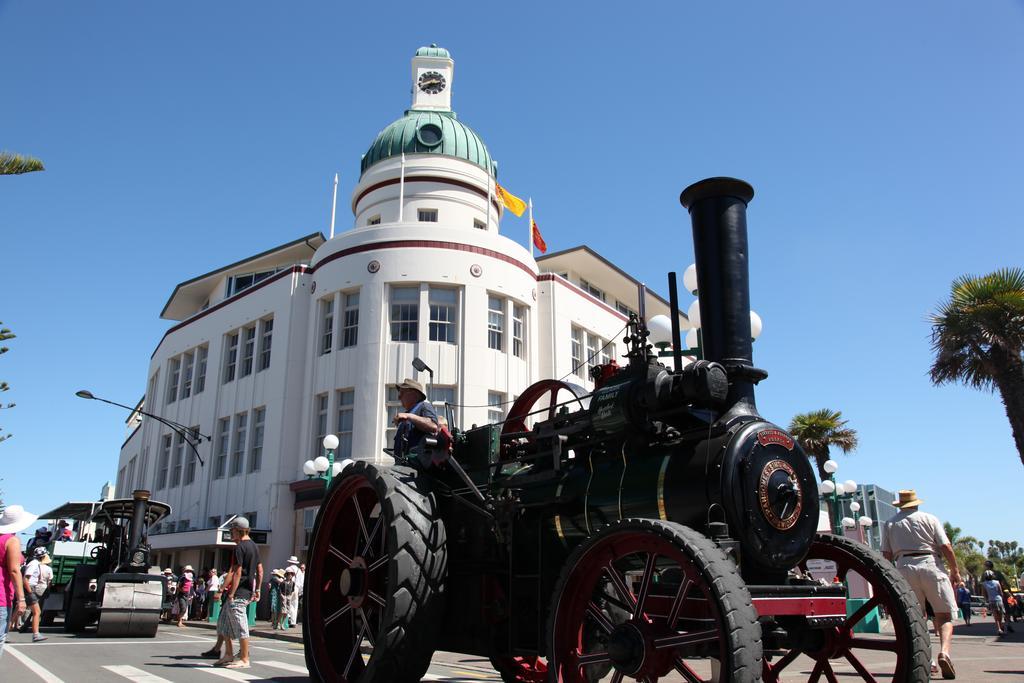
<point x="138" y="522"/>
<point x="718" y="211"/>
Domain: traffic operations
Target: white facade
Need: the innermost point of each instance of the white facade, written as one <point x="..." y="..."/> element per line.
<point x="324" y="327"/>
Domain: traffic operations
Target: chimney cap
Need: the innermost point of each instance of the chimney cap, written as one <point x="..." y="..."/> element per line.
<point x="716" y="187"/>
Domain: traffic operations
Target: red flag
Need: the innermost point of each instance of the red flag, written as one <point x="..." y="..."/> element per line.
<point x="538" y="241"/>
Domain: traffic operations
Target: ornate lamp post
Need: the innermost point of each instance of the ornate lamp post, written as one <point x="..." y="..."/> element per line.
<point x="324" y="467"/>
<point x="838" y="492"/>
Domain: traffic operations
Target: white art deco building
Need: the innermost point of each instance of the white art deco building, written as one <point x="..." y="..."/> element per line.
<point x="269" y="354"/>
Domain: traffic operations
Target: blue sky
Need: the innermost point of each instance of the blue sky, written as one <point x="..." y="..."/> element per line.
<point x="883" y="140"/>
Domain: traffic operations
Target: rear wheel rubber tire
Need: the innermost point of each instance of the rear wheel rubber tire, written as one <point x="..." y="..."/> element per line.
<point x="378" y="529"/>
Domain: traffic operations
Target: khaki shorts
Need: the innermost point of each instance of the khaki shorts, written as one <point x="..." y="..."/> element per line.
<point x="930" y="582"/>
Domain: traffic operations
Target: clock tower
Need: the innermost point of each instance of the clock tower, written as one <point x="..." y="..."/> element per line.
<point x="432" y="71"/>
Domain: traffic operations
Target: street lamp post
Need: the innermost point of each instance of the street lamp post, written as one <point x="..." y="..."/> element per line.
<point x="837" y="492"/>
<point x="189" y="435"/>
<point x="324" y="467"/>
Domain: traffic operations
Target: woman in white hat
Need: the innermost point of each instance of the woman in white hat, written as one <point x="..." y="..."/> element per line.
<point x="12" y="586"/>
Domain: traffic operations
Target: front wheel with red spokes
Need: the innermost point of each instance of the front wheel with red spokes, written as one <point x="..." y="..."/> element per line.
<point x="375" y="585"/>
<point x="643" y="599"/>
<point x="898" y="654"/>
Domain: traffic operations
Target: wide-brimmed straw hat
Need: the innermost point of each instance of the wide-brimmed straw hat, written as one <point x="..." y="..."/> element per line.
<point x="411" y="384"/>
<point x="908" y="499"/>
<point x="278" y="573"/>
<point x="16" y="519"/>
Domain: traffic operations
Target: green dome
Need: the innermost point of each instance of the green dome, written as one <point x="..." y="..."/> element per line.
<point x="429" y="132"/>
<point x="433" y="51"/>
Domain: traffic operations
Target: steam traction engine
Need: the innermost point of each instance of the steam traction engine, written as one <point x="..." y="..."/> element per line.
<point x="656" y="527"/>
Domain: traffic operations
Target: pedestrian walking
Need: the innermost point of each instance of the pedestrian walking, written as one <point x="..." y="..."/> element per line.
<point x="241" y="587"/>
<point x="212" y="591"/>
<point x="963" y="598"/>
<point x="914" y="540"/>
<point x="37" y="576"/>
<point x="185" y="584"/>
<point x="277" y="606"/>
<point x="291" y="594"/>
<point x="994" y="595"/>
<point x="300" y="577"/>
<point x="12" y="587"/>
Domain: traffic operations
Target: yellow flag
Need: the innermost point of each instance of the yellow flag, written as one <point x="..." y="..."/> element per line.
<point x="511" y="202"/>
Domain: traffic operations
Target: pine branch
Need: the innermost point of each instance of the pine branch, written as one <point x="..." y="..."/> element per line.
<point x="15" y="164"/>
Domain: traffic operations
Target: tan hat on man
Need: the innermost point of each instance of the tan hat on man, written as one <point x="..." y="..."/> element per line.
<point x="908" y="499"/>
<point x="412" y="384"/>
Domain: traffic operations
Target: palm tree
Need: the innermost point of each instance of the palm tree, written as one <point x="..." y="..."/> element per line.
<point x="13" y="164"/>
<point x="978" y="339"/>
<point x="818" y="431"/>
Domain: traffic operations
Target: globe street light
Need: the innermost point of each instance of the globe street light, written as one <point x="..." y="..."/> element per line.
<point x="324" y="467"/>
<point x="694" y="338"/>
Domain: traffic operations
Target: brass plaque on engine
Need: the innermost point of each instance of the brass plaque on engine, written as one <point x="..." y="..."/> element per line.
<point x="778" y="492"/>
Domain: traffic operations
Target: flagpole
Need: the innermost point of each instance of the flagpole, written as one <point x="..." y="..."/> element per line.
<point x="401" y="192"/>
<point x="334" y="204"/>
<point x="529" y="203"/>
<point x="488" y="200"/>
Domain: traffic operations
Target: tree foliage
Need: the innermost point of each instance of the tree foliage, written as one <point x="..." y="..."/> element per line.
<point x="5" y="334"/>
<point x="978" y="340"/>
<point x="967" y="550"/>
<point x="819" y="431"/>
<point x="15" y="164"/>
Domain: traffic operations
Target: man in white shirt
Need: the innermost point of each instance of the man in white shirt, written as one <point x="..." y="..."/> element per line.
<point x="300" y="577"/>
<point x="37" y="577"/>
<point x="914" y="540"/>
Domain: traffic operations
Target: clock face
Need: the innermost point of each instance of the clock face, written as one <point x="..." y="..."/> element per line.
<point x="431" y="82"/>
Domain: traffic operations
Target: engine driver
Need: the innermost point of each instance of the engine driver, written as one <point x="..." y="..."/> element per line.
<point x="417" y="420"/>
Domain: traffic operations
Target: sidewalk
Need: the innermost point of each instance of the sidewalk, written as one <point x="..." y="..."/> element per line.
<point x="262" y="629"/>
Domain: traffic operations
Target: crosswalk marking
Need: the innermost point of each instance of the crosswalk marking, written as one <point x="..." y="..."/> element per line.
<point x="135" y="675"/>
<point x="32" y="665"/>
<point x="233" y="674"/>
<point x="294" y="668"/>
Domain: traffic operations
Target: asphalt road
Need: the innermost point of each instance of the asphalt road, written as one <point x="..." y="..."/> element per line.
<point x="173" y="656"/>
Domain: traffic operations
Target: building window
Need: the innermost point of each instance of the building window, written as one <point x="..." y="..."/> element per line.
<point x="373" y="220"/>
<point x="624" y="309"/>
<point x="326" y="324"/>
<point x="183" y="524"/>
<point x="186" y="375"/>
<point x="593" y="347"/>
<point x="242" y="282"/>
<point x="213" y="522"/>
<point x="608" y="353"/>
<point x="151" y="394"/>
<point x="143" y="466"/>
<point x="319" y="424"/>
<point x="479" y="224"/>
<point x="427" y="215"/>
<point x="443" y="303"/>
<point x="223" y="435"/>
<point x="179" y="459"/>
<point x="238" y="452"/>
<point x="230" y="357"/>
<point x="190" y="466"/>
<point x="495" y="322"/>
<point x="577" y="351"/>
<point x="172" y="384"/>
<point x="393" y="406"/>
<point x="119" y="491"/>
<point x="256" y="447"/>
<point x="405" y="314"/>
<point x="346" y="402"/>
<point x="201" y="355"/>
<point x="248" y="350"/>
<point x="350" y="321"/>
<point x="519" y="331"/>
<point x="165" y="462"/>
<point x="438" y="397"/>
<point x="495" y="407"/>
<point x="266" y="338"/>
<point x="251" y="516"/>
<point x="591" y="289"/>
<point x="308" y="519"/>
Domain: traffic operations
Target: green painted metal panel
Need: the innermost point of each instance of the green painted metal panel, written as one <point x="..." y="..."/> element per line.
<point x="457" y="140"/>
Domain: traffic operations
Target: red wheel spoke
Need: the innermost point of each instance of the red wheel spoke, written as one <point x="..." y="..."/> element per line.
<point x="620" y="586"/>
<point x="340" y="555"/>
<point x="829" y="674"/>
<point x="874" y="644"/>
<point x="362" y="522"/>
<point x="340" y="612"/>
<point x="373" y="532"/>
<point x="592" y="658"/>
<point x="378" y="563"/>
<point x="677" y="604"/>
<point x="645" y="586"/>
<point x="816" y="671"/>
<point x="366" y="626"/>
<point x="376" y="598"/>
<point x="595" y="613"/>
<point x="786" y="660"/>
<point x="681" y="639"/>
<point x="617" y="677"/>
<point x="355" y="651"/>
<point x="862" y="612"/>
<point x="685" y="671"/>
<point x="861" y="669"/>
